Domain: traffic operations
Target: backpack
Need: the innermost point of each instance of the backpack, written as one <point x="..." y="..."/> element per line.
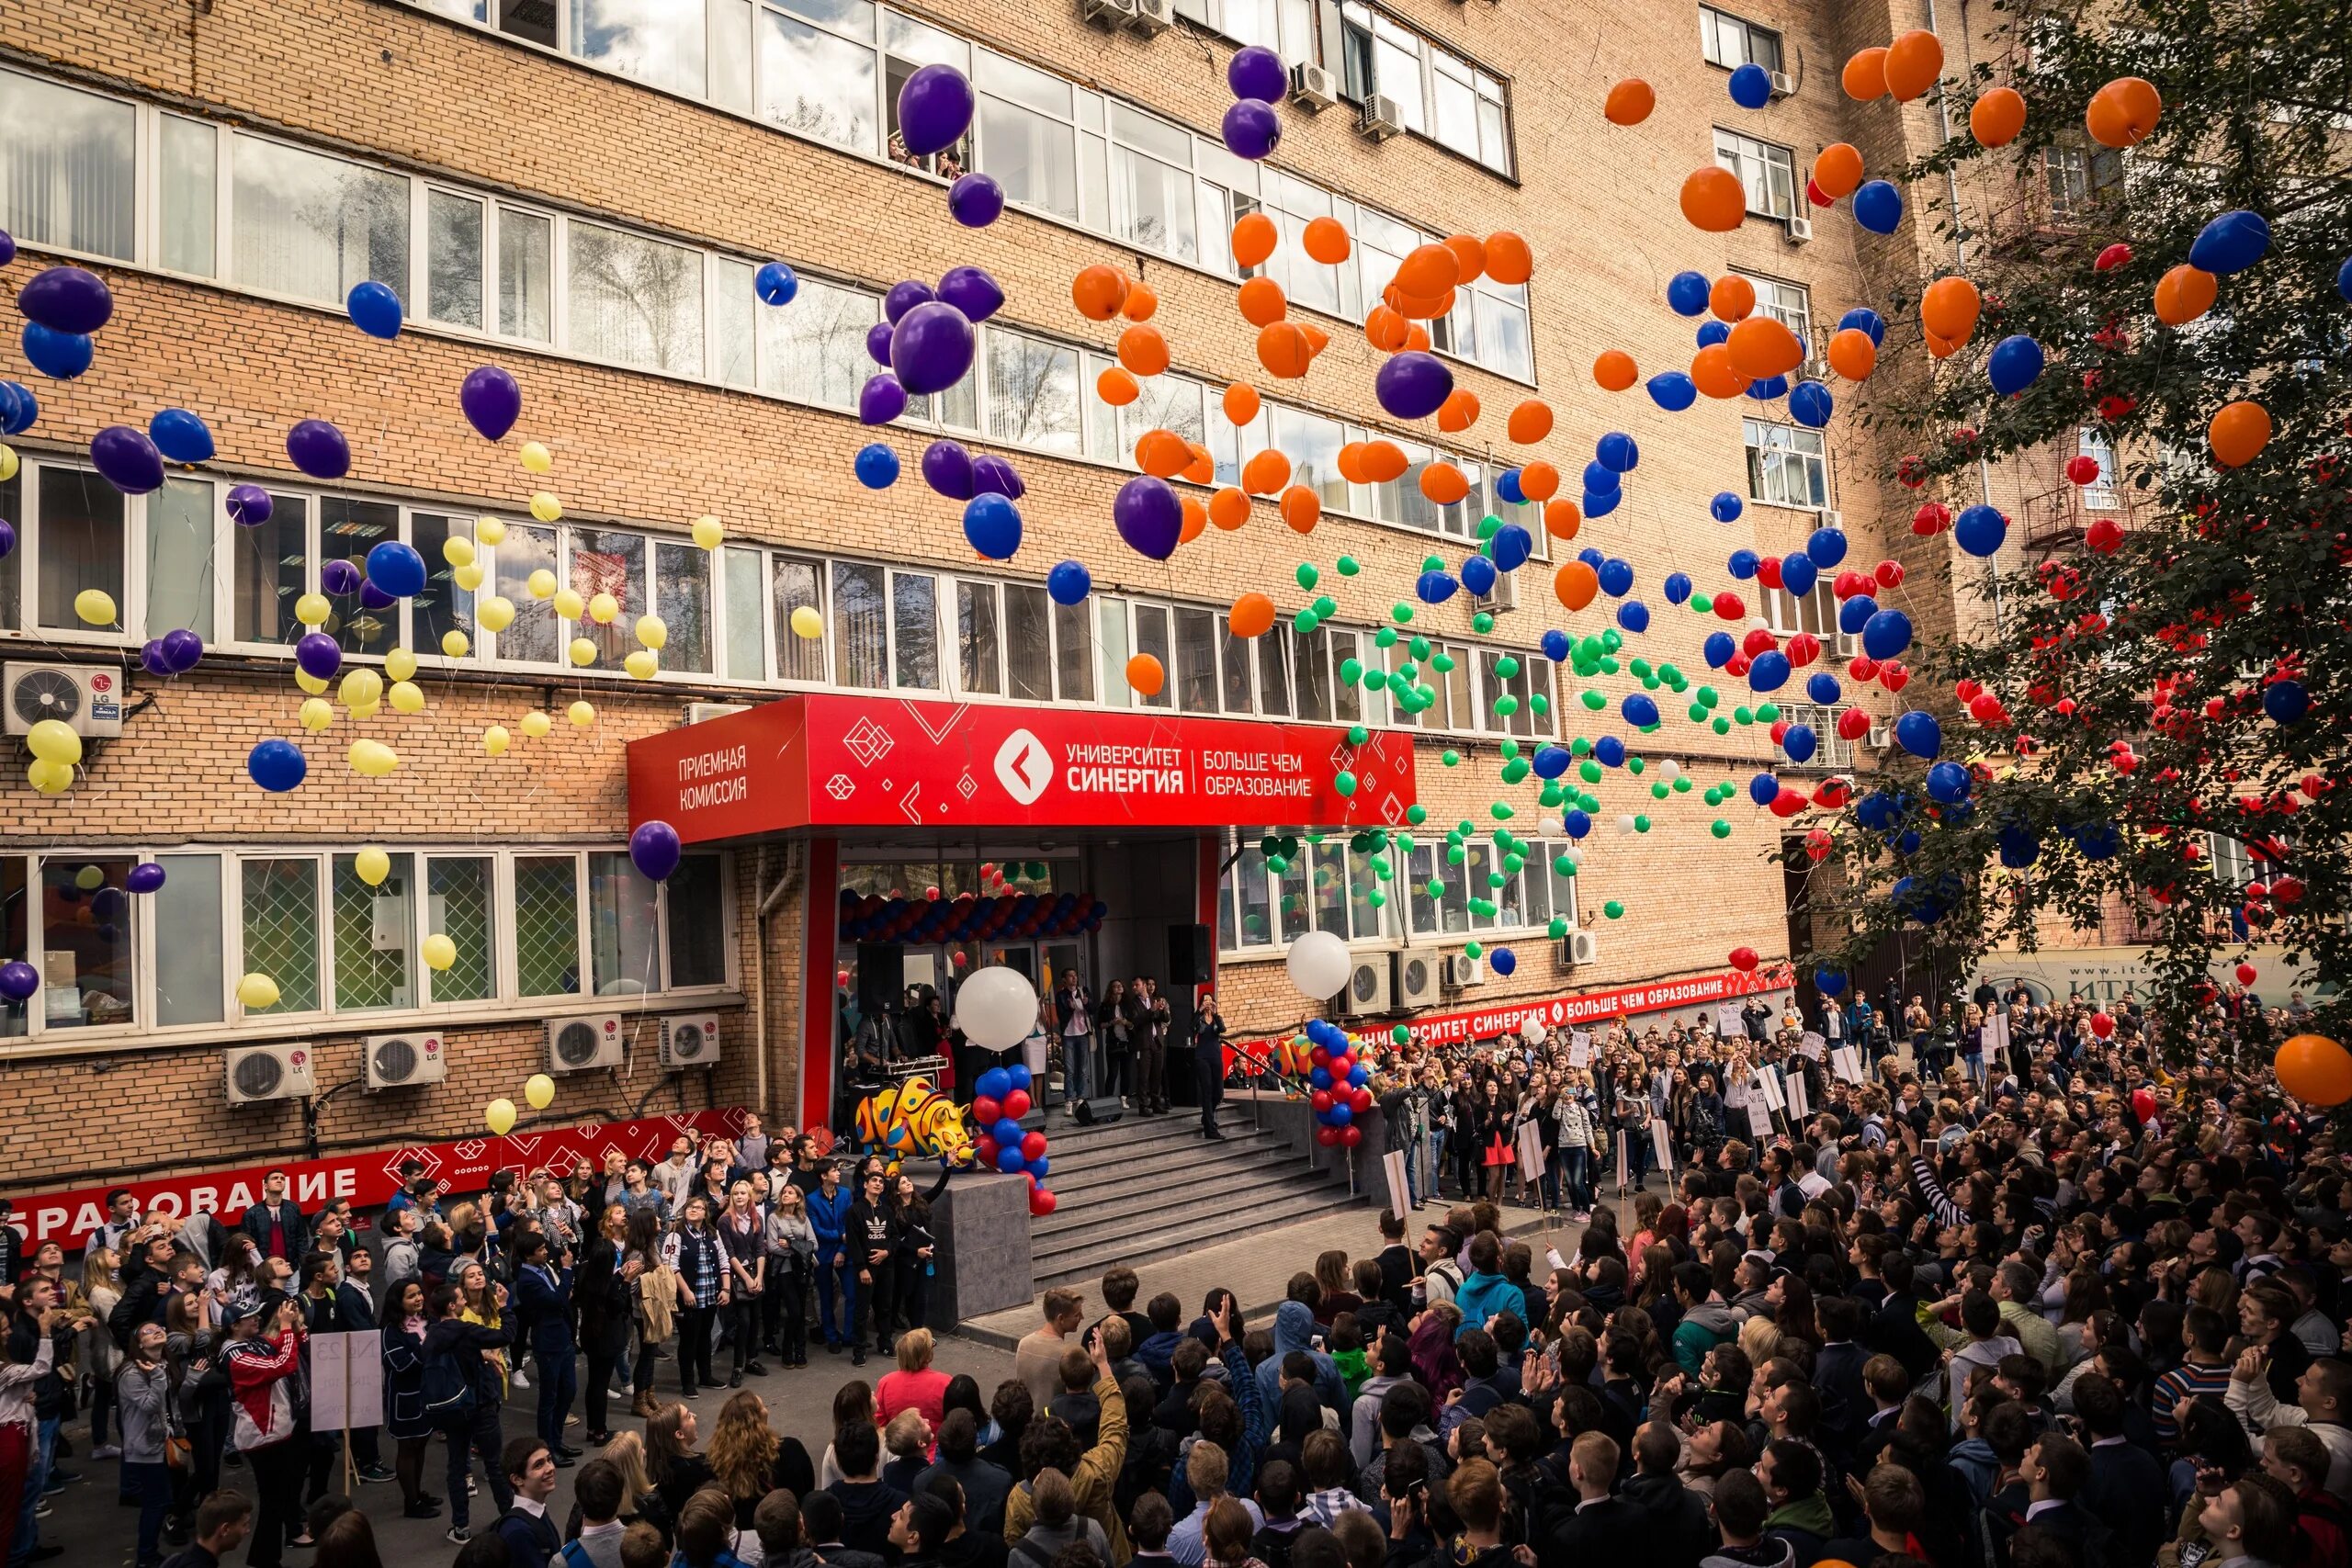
<point x="448" y="1393"/>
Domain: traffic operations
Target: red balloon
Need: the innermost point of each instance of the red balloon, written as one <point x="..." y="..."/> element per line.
<point x="1854" y="724"/>
<point x="1802" y="649"/>
<point x="1788" y="802"/>
<point x="1033" y="1146"/>
<point x="1319" y="1057"/>
<point x="1893" y="676"/>
<point x="1767" y="571"/>
<point x="1350" y="1135"/>
<point x="2102" y="1026"/>
<point x="1342" y="1064"/>
<point x="1016" y="1105"/>
<point x="1757" y="640"/>
<point x="1729" y="607"/>
<point x="1042" y="1202"/>
<point x="1360" y="1101"/>
<point x="1327" y="1137"/>
<point x="2143" y="1104"/>
<point x="1743" y="959"/>
<point x="1321" y="1099"/>
<point x="1889" y="574"/>
<point x="1817" y="845"/>
<point x="2245" y="973"/>
<point x="984" y="1150"/>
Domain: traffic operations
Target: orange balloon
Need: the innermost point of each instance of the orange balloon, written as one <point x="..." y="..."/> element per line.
<point x="1145" y="677"/>
<point x="1385" y="328"/>
<point x="1325" y="241"/>
<point x="1714" y="199"/>
<point x="1350" y="462"/>
<point x="1302" y="509"/>
<point x="1939" y="348"/>
<point x="1562" y="519"/>
<point x="2123" y="112"/>
<point x="1229" y="508"/>
<point x="1162" y="453"/>
<point x="1615" y="370"/>
<point x="1852" y="353"/>
<point x="1416" y="338"/>
<point x="1444" y="483"/>
<point x="1254" y="239"/>
<point x="1761" y="347"/>
<point x="1469" y="256"/>
<point x="1240" y="404"/>
<point x="1283" y="350"/>
<point x="1996" y="117"/>
<point x="1531" y="421"/>
<point x="1419" y="307"/>
<point x="1141" y="303"/>
<point x="1429" y="271"/>
<point x="1265" y="472"/>
<point x="1252" y="616"/>
<point x="1914" y="60"/>
<point x="1509" y="260"/>
<point x="2184" y="294"/>
<point x="1196" y="518"/>
<point x="1116" y="388"/>
<point x="1948" y="307"/>
<point x="1733" y="298"/>
<point x="1202" y="470"/>
<point x="1384" y="461"/>
<point x="1837" y="170"/>
<point x="2315" y="1069"/>
<point x="1098" y="291"/>
<point x="1539" y="481"/>
<point x="2239" y="432"/>
<point x="1459" y="412"/>
<point x="1143" y="350"/>
<point x="1865" y="75"/>
<point x="1576" y="583"/>
<point x="1318" y="340"/>
<point x="1713" y="373"/>
<point x="1263" y="304"/>
<point x="1629" y="102"/>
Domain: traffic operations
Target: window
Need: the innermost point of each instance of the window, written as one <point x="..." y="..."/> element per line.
<point x="695" y="902"/>
<point x="606" y="560"/>
<point x="1787" y="303"/>
<point x="67" y="172"/>
<point x="2079" y="178"/>
<point x="1728" y="41"/>
<point x="1286" y="27"/>
<point x="179" y="557"/>
<point x="1196" y="671"/>
<point x="1437" y="93"/>
<point x="634" y="300"/>
<point x="623" y="927"/>
<point x="1293" y="203"/>
<point x="453" y="259"/>
<point x="682" y="598"/>
<point x="525" y="274"/>
<point x="1152" y="636"/>
<point x="1816" y="612"/>
<point x="1769" y="172"/>
<point x="281" y="930"/>
<point x="187" y="184"/>
<point x="460" y="898"/>
<point x="86" y="958"/>
<point x="1832" y="752"/>
<point x="80" y="529"/>
<point x="1233" y="657"/>
<point x="1151" y="183"/>
<point x="2233" y="863"/>
<point x="534" y="21"/>
<point x="313" y="227"/>
<point x="1028" y="643"/>
<point x="269" y="566"/>
<point x="348" y="529"/>
<point x="746" y="643"/>
<point x="191" y="965"/>
<point x="908" y="46"/>
<point x="1073" y="653"/>
<point x="659" y="45"/>
<point x="814" y="349"/>
<point x="375" y="935"/>
<point x="1027" y="138"/>
<point x="821" y="83"/>
<point x="2099" y="494"/>
<point x="1111" y="636"/>
<point x="914" y="630"/>
<point x="1033" y="393"/>
<point x="533" y="637"/>
<point x="1787" y="465"/>
<point x="547" y="925"/>
<point x="977" y="668"/>
<point x="1312" y="443"/>
<point x="860" y="629"/>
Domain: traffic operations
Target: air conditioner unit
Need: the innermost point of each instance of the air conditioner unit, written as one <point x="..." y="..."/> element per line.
<point x="269" y="1072"/>
<point x="1461" y="970"/>
<point x="1379" y="123"/>
<point x="580" y="1045"/>
<point x="1584" y="947"/>
<point x="1416" y="977"/>
<point x="1152" y="17"/>
<point x="1504" y="597"/>
<point x="690" y="1039"/>
<point x="1832" y="518"/>
<point x="1800" y="230"/>
<point x="1107" y="13"/>
<point x="87" y="696"/>
<point x="1782" y="84"/>
<point x="1881" y="737"/>
<point x="699" y="713"/>
<point x="1313" y="88"/>
<point x="1371" y="984"/>
<point x="404" y="1060"/>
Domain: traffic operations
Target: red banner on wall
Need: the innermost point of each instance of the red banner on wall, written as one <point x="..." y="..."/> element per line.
<point x="367" y="1177"/>
<point x="825" y="759"/>
<point x="1523" y="1014"/>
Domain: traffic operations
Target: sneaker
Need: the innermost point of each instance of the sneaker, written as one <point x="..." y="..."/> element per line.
<point x="756" y="1370"/>
<point x="857" y="1357"/>
<point x="518" y="1380"/>
<point x="457" y="1535"/>
<point x="57" y="1478"/>
<point x="106" y="1450"/>
<point x="375" y="1474"/>
<point x="43" y="1509"/>
<point x="419" y="1510"/>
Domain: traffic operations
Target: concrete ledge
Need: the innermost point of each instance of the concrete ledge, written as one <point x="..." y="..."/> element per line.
<point x="984" y="1266"/>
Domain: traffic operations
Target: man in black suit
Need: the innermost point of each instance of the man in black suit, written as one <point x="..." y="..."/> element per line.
<point x="1837" y="1374"/>
<point x="1886" y="1386"/>
<point x="276" y="1222"/>
<point x="1601" y="1527"/>
<point x="1894" y="1505"/>
<point x="604" y="1289"/>
<point x="2055" y="1471"/>
<point x="2123" y="1475"/>
<point x="530" y="1536"/>
<point x="1674" y="1519"/>
<point x="1895" y="1328"/>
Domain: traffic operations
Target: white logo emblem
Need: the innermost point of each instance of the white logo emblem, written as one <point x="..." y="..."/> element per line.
<point x="1023" y="767"/>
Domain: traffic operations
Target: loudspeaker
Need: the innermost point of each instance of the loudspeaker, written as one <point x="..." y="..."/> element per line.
<point x="1189" y="956"/>
<point x="881" y="971"/>
<point x="1098" y="1112"/>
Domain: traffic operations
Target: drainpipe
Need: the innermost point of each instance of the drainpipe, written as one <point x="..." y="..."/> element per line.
<point x="788" y="879"/>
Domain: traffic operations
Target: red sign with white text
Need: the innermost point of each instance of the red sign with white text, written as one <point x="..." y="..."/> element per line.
<point x="367" y="1177"/>
<point x="825" y="759"/>
<point x="1527" y="1013"/>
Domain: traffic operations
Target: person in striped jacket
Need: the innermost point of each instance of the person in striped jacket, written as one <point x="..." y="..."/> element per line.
<point x="264" y="1365"/>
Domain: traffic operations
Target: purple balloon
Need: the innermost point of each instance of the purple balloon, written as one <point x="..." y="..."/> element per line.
<point x="991" y="475"/>
<point x="67" y="299"/>
<point x="318" y="655"/>
<point x="654" y="848"/>
<point x="183" y="650"/>
<point x="881" y="400"/>
<point x="7" y="247"/>
<point x="491" y="400"/>
<point x="976" y="201"/>
<point x="374" y="598"/>
<point x="145" y="878"/>
<point x="249" y="505"/>
<point x="318" y="449"/>
<point x="18" y="981"/>
<point x="877" y="344"/>
<point x="1150" y="517"/>
<point x="1251" y="128"/>
<point x="934" y="110"/>
<point x="127" y="460"/>
<point x="931" y="349"/>
<point x="971" y="290"/>
<point x="947" y="468"/>
<point x="150" y="657"/>
<point x="340" y="577"/>
<point x="1413" y="385"/>
<point x="905" y="296"/>
<point x="1257" y="71"/>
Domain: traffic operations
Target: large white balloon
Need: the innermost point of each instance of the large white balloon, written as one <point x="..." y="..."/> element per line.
<point x="1318" y="965"/>
<point x="996" y="1007"/>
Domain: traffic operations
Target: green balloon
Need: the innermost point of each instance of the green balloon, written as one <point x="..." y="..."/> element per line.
<point x="1482" y="623"/>
<point x="1417" y="815"/>
<point x="1506" y="704"/>
<point x="1376" y="898"/>
<point x="1579" y="747"/>
<point x="1516" y="769"/>
<point x="1373" y="679"/>
<point x="1614" y="910"/>
<point x="1305" y="620"/>
<point x="1608" y="664"/>
<point x="1344" y="782"/>
<point x="1276" y="864"/>
<point x="1419" y="647"/>
<point x="1442" y="663"/>
<point x="1612" y="640"/>
<point x="1742" y="715"/>
<point x="1490" y="525"/>
<point x="1698" y="712"/>
<point x="1306" y="574"/>
<point x="1541" y="703"/>
<point x="1436" y="887"/>
<point x="1768" y="713"/>
<point x="1471" y="949"/>
<point x="1507" y="666"/>
<point x="1358" y="735"/>
<point x="1722" y="726"/>
<point x="1682" y="785"/>
<point x="1455" y="854"/>
<point x="1385" y="637"/>
<point x="1595" y="701"/>
<point x="1719" y="827"/>
<point x="1432" y="563"/>
<point x="1551" y="794"/>
<point x="1557" y="929"/>
<point x="1502" y="810"/>
<point x="1326" y="607"/>
<point x="1450" y="757"/>
<point x="1709" y="696"/>
<point x="1349" y="566"/>
<point x="1634" y="764"/>
<point x="1703" y="602"/>
<point x="1510" y="749"/>
<point x="1563" y="866"/>
<point x="1658" y="790"/>
<point x="1641" y="824"/>
<point x="1350" y="672"/>
<point x="1588" y="771"/>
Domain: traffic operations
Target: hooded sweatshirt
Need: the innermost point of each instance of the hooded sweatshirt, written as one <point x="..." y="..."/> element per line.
<point x="1482" y="1296"/>
<point x="1804" y="1524"/>
<point x="1295" y="1330"/>
<point x="1768" y="1553"/>
<point x="1703" y="1327"/>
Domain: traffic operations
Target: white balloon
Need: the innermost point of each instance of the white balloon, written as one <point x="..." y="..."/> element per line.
<point x="1552" y="825"/>
<point x="996" y="1007"/>
<point x="1318" y="965"/>
<point x="1626" y="823"/>
<point x="1671" y="769"/>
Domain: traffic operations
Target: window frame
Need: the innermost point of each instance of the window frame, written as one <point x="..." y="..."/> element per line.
<point x="1782" y="445"/>
<point x="1713" y="22"/>
<point x="1736" y="150"/>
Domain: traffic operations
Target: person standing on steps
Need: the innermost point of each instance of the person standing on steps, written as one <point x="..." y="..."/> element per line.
<point x="1077" y="1034"/>
<point x="1208" y="1063"/>
<point x="1115" y="1017"/>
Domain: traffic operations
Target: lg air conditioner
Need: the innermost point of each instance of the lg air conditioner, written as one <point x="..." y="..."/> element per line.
<point x="1313" y="88"/>
<point x="703" y="712"/>
<point x="1782" y="84"/>
<point x="583" y="1043"/>
<point x="1832" y="518"/>
<point x="269" y="1072"/>
<point x="690" y="1039"/>
<point x="1504" y="597"/>
<point x="1418" y="983"/>
<point x="1370" y="986"/>
<point x="1881" y="737"/>
<point x="1462" y="970"/>
<point x="1582" y="948"/>
<point x="1800" y="230"/>
<point x="404" y="1060"/>
<point x="87" y="696"/>
<point x="1379" y="123"/>
<point x="1113" y="14"/>
<point x="1153" y="17"/>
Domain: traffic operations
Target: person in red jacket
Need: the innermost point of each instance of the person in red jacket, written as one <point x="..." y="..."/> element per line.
<point x="266" y="1388"/>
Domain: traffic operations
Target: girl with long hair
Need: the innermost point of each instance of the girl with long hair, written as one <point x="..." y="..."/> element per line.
<point x="696" y="1252"/>
<point x="676" y="1470"/>
<point x="401" y="1341"/>
<point x="743" y="1452"/>
<point x="656" y="1306"/>
<point x="742" y="1234"/>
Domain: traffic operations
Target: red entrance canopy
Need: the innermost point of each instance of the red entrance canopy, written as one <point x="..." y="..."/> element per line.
<point x="824" y="760"/>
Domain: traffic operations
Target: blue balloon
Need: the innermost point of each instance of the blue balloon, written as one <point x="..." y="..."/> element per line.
<point x="1768" y="672"/>
<point x="775" y="284"/>
<point x="396" y="568"/>
<point x="1798" y="573"/>
<point x="1608" y="751"/>
<point x="2286" y="701"/>
<point x="277" y="765"/>
<point x="1741" y="563"/>
<point x="1359" y="1076"/>
<point x="1617" y="451"/>
<point x="1829" y="982"/>
<point x="1751" y="86"/>
<point x="995" y="1083"/>
<point x="374" y="309"/>
<point x="1576" y="824"/>
<point x="1886" y="634"/>
<point x="1435" y="587"/>
<point x="1634" y="615"/>
<point x="876" y="466"/>
<point x="1821" y="687"/>
<point x="1503" y="959"/>
<point x="1769" y="391"/>
<point x="2231" y="242"/>
<point x="180" y="436"/>
<point x="1550" y="761"/>
<point x="1616" y="577"/>
<point x="1555" y="646"/>
<point x="1725" y="508"/>
<point x="2020" y="847"/>
<point x="1600" y="479"/>
<point x="1863" y="318"/>
<point x="1590" y="555"/>
<point x="1009" y="1161"/>
<point x="1712" y="332"/>
<point x="1809" y="405"/>
<point x="1686" y="293"/>
<point x="1513" y="545"/>
<point x="1980" y="530"/>
<point x="1639" y="710"/>
<point x="1677" y="587"/>
<point x="1799" y="741"/>
<point x="1918" y="733"/>
<point x="2014" y="364"/>
<point x="1763" y="789"/>
<point x="1877" y="811"/>
<point x="1674" y="392"/>
<point x="1856" y="613"/>
<point x="1602" y="503"/>
<point x="992" y="526"/>
<point x="25" y="409"/>
<point x="60" y="356"/>
<point x="1826" y="546"/>
<point x="1341" y="1113"/>
<point x="1040" y="1168"/>
<point x="1878" y="206"/>
<point x="1068" y="582"/>
<point x="1718" y="649"/>
<point x="1948" y="782"/>
<point x="1478" y="575"/>
<point x="1507" y="488"/>
<point x="2097" y="841"/>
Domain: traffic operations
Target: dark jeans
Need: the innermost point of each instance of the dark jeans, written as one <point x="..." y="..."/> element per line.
<point x="276" y="1470"/>
<point x="875" y="1295"/>
<point x="1151" y="1072"/>
<point x="151" y="1484"/>
<point x="833" y="1280"/>
<point x="476" y="1434"/>
<point x="555" y="1378"/>
<point x="641" y="1378"/>
<point x="1576" y="1174"/>
<point x="784" y="1311"/>
<point x="694" y="1324"/>
<point x="607" y="1346"/>
<point x="744" y="1327"/>
<point x="911" y="1285"/>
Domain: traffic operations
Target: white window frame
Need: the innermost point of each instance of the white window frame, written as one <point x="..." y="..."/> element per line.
<point x="1785" y="443"/>
<point x="1764" y="167"/>
<point x="1729" y="41"/>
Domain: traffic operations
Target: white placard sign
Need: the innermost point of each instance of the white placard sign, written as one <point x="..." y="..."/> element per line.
<point x="1846" y="1062"/>
<point x="1400" y="1192"/>
<point x="1759" y="1119"/>
<point x="1579" y="1052"/>
<point x="1728" y="1023"/>
<point x="1768" y="1081"/>
<point x="1811" y="1045"/>
<point x="1531" y="1150"/>
<point x="1800" y="1104"/>
<point x="347" y="1381"/>
<point x="1663" y="1143"/>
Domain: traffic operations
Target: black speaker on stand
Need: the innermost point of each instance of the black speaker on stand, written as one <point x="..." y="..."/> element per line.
<point x="881" y="977"/>
<point x="1191" y="962"/>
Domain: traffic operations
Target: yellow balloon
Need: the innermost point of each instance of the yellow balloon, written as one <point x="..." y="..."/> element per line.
<point x="540" y="1089"/>
<point x="50" y="778"/>
<point x="603" y="609"/>
<point x="643" y="663"/>
<point x="568" y="606"/>
<point x="407" y="696"/>
<point x="652" y="631"/>
<point x="361" y="688"/>
<point x="372" y="759"/>
<point x="89" y="879"/>
<point x="581" y="714"/>
<point x="583" y="652"/>
<point x="535" y="724"/>
<point x="95" y="606"/>
<point x="365" y="711"/>
<point x="495" y="613"/>
<point x="458" y="550"/>
<point x="545" y="507"/>
<point x="536" y="459"/>
<point x="469" y="576"/>
<point x="454" y="644"/>
<point x="313" y="609"/>
<point x="489" y="531"/>
<point x="495" y="740"/>
<point x="541" y="583"/>
<point x="257" y="991"/>
<point x="400" y="664"/>
<point x="317" y="713"/>
<point x="438" y="952"/>
<point x="310" y="683"/>
<point x="7" y="463"/>
<point x="53" y="741"/>
<point x="808" y="624"/>
<point x="498" y="1116"/>
<point x="709" y="532"/>
<point x="373" y="865"/>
